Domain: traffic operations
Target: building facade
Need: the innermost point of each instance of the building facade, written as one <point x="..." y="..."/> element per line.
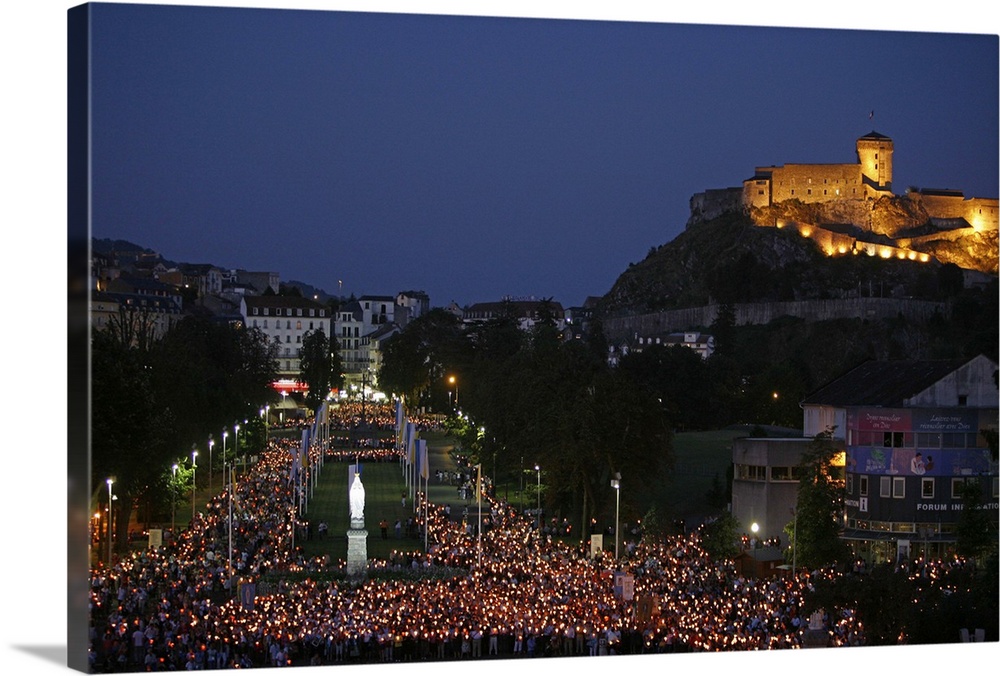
<point x="906" y="469"/>
<point x="285" y="320"/>
<point x="913" y="434"/>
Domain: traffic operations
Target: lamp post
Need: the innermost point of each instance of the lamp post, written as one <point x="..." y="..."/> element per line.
<point x="452" y="381"/>
<point x="111" y="535"/>
<point x="194" y="481"/>
<point x="617" y="484"/>
<point x="211" y="443"/>
<point x="754" y="528"/>
<point x="225" y="434"/>
<point x="795" y="540"/>
<point x="236" y="445"/>
<point x="538" y="496"/>
<point x="173" y="508"/>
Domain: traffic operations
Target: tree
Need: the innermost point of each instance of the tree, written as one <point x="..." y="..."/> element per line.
<point x="416" y="360"/>
<point x="153" y="398"/>
<point x="128" y="426"/>
<point x="976" y="530"/>
<point x="720" y="537"/>
<point x="317" y="367"/>
<point x="819" y="506"/>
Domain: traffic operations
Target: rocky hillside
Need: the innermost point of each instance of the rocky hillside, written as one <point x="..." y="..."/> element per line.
<point x="895" y="221"/>
<point x="730" y="259"/>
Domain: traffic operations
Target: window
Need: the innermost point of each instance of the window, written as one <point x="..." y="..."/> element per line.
<point x="298" y="326"/>
<point x="312" y="312"/>
<point x="892" y="439"/>
<point x="298" y="339"/>
<point x="850" y="484"/>
<point x="255" y="323"/>
<point x="898" y="487"/>
<point x="956" y="487"/>
<point x="752" y="472"/>
<point x="863" y="484"/>
<point x="298" y="312"/>
<point x="963" y="400"/>
<point x="884" y="486"/>
<point x="288" y="339"/>
<point x="265" y="323"/>
<point x="927" y="488"/>
<point x="255" y="310"/>
<point x="783" y="474"/>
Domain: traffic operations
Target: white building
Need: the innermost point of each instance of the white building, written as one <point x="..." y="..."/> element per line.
<point x="285" y="320"/>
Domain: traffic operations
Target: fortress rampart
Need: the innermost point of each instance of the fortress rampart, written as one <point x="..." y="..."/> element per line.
<point x="848" y="192"/>
<point x="619" y="328"/>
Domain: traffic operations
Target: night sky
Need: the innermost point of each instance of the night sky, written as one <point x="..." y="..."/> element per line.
<point x="475" y="158"/>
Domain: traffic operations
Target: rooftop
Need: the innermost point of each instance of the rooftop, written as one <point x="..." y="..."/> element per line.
<point x="883" y="383"/>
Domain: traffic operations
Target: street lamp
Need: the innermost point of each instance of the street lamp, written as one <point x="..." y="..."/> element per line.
<point x="616" y="484"/>
<point x="173" y="509"/>
<point x="754" y="528"/>
<point x="236" y="443"/>
<point x="194" y="481"/>
<point x="225" y="434"/>
<point x="452" y="381"/>
<point x="111" y="535"/>
<point x="211" y="442"/>
<point x="538" y="495"/>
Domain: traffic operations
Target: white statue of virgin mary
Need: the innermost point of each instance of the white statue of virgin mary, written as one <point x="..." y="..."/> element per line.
<point x="357" y="494"/>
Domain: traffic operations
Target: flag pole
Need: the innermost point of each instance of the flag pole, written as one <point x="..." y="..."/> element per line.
<point x="479" y="529"/>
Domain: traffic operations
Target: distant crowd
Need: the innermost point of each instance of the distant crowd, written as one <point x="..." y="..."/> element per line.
<point x="195" y="604"/>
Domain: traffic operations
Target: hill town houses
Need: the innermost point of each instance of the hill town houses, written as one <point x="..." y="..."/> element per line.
<point x="135" y="282"/>
<point x="911" y="432"/>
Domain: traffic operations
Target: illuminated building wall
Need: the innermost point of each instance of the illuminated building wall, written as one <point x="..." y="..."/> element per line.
<point x="905" y="470"/>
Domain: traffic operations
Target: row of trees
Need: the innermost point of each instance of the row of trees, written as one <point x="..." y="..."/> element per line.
<point x="154" y="399"/>
<point x="529" y="398"/>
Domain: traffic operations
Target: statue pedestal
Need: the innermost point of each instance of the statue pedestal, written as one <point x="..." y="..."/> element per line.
<point x="357" y="551"/>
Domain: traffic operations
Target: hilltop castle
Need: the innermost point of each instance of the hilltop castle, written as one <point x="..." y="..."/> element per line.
<point x="832" y="196"/>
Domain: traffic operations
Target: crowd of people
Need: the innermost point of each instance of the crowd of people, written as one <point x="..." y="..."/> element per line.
<point x="198" y="602"/>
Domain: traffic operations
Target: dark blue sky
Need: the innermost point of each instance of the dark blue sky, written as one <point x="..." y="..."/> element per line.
<point x="475" y="158"/>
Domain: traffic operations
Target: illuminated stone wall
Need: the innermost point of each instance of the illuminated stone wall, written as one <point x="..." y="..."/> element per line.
<point x="981" y="214"/>
<point x="815" y="182"/>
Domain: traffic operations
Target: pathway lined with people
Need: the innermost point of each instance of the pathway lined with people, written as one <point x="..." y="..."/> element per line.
<point x="513" y="593"/>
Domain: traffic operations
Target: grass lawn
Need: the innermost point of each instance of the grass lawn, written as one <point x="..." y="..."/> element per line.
<point x="384" y="485"/>
<point x="698" y="457"/>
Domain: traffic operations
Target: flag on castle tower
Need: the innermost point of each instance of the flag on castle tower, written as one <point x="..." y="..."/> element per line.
<point x="871" y="115"/>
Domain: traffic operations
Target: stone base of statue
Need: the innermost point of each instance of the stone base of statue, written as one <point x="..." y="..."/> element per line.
<point x="357" y="549"/>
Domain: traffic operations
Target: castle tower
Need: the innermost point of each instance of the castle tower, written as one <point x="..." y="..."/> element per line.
<point x="875" y="156"/>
